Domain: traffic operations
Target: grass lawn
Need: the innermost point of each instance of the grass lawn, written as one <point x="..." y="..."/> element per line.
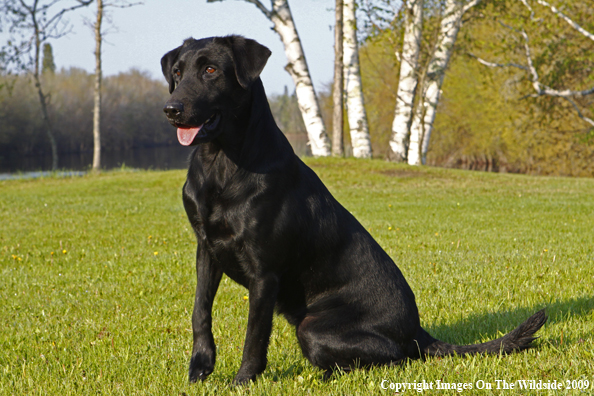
<point x="97" y="281"/>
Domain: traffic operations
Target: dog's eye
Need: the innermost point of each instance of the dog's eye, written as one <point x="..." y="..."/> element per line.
<point x="210" y="70"/>
<point x="177" y="72"/>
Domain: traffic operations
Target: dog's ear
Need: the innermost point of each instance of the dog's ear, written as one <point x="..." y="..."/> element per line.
<point x="249" y="59"/>
<point x="167" y="62"/>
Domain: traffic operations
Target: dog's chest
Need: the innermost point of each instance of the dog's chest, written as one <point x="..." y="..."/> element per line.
<point x="223" y="232"/>
<point x="215" y="221"/>
<point x="219" y="214"/>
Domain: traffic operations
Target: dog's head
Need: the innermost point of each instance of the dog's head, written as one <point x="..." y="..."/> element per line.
<point x="209" y="80"/>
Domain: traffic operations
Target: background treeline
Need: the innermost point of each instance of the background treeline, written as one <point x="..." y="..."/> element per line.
<point x="132" y="113"/>
<point x="486" y="120"/>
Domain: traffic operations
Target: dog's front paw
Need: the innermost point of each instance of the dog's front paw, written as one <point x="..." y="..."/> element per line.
<point x="243" y="379"/>
<point x="201" y="366"/>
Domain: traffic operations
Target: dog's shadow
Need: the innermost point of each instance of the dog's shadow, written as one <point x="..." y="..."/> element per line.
<point x="477" y="328"/>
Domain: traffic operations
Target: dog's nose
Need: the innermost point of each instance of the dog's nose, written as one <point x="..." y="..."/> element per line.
<point x="174" y="109"/>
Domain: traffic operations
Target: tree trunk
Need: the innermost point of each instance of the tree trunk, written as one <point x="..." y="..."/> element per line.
<point x="297" y="67"/>
<point x="357" y="116"/>
<point x="43" y="98"/>
<point x="337" y="92"/>
<point x="408" y="81"/>
<point x="46" y="121"/>
<point x="424" y="117"/>
<point x="97" y="92"/>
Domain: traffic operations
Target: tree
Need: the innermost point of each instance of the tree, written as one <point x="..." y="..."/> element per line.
<point x="98" y="77"/>
<point x="280" y="15"/>
<point x="409" y="79"/>
<point x="48" y="65"/>
<point x="357" y="116"/>
<point x="97" y="91"/>
<point x="337" y="89"/>
<point x="424" y="116"/>
<point x="557" y="75"/>
<point x="495" y="118"/>
<point x="419" y="88"/>
<point x="487" y="118"/>
<point x="36" y="21"/>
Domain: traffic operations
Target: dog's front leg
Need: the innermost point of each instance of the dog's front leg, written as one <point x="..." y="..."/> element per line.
<point x="263" y="292"/>
<point x="203" y="349"/>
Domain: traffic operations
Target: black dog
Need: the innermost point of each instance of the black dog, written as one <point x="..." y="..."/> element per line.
<point x="266" y="220"/>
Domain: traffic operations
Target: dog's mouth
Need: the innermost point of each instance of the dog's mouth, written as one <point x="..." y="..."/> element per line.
<point x="187" y="135"/>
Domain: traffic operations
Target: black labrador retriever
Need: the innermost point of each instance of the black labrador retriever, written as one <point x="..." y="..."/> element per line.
<point x="265" y="219"/>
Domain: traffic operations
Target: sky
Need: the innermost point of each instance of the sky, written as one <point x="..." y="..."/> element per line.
<point x="139" y="36"/>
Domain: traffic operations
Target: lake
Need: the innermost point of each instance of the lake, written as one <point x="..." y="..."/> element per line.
<point x="172" y="157"/>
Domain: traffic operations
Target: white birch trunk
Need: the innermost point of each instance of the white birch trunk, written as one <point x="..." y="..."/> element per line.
<point x="297" y="67"/>
<point x="407" y="84"/>
<point x="337" y="89"/>
<point x="422" y="126"/>
<point x="97" y="93"/>
<point x="359" y="128"/>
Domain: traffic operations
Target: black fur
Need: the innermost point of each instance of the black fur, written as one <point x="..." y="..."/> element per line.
<point x="265" y="219"/>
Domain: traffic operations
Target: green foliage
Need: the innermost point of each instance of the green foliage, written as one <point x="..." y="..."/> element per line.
<point x="478" y="120"/>
<point x="379" y="77"/>
<point x="132" y="113"/>
<point x="98" y="277"/>
<point x="47" y="63"/>
<point x="486" y="119"/>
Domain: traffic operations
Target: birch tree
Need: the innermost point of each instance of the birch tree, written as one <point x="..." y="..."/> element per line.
<point x="408" y="81"/>
<point x="424" y="115"/>
<point x="97" y="90"/>
<point x="98" y="32"/>
<point x="358" y="125"/>
<point x="280" y="16"/>
<point x="529" y="66"/>
<point x="337" y="91"/>
<point x="36" y="21"/>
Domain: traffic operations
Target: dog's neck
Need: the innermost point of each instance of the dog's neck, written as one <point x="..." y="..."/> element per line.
<point x="252" y="140"/>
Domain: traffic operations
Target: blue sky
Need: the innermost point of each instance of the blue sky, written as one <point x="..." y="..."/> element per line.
<point x="140" y="35"/>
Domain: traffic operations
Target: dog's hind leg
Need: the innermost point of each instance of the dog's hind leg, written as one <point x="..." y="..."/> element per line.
<point x="331" y="347"/>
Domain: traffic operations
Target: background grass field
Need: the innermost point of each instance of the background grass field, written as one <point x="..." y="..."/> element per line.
<point x="97" y="280"/>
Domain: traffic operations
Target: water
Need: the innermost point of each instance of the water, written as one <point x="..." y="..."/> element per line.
<point x="174" y="157"/>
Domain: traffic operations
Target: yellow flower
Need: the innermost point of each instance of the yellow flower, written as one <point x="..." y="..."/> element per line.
<point x="156" y="253"/>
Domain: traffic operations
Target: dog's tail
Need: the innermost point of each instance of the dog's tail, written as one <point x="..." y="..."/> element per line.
<point x="517" y="340"/>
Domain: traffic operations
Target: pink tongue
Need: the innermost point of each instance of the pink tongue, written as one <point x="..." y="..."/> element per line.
<point x="186" y="135"/>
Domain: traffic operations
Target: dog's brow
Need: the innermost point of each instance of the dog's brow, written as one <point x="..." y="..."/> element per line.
<point x="201" y="59"/>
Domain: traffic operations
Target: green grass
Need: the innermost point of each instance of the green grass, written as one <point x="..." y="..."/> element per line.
<point x="97" y="280"/>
